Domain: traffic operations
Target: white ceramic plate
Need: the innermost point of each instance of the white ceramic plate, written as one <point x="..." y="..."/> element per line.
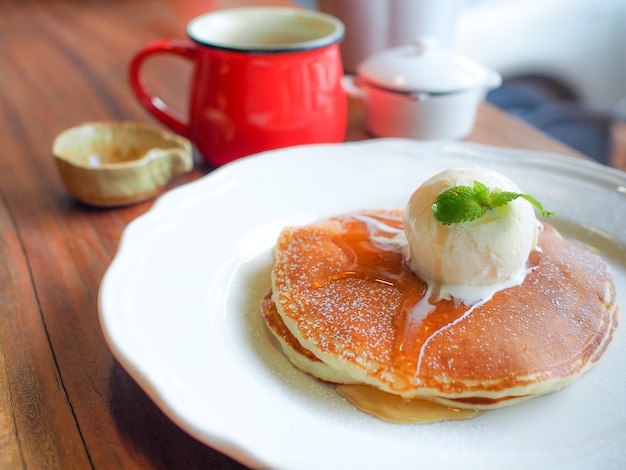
<point x="179" y="307"/>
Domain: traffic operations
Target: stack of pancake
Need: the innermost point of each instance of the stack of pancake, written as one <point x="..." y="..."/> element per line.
<point x="346" y="310"/>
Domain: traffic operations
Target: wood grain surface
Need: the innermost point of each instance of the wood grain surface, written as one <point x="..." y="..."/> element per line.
<point x="65" y="402"/>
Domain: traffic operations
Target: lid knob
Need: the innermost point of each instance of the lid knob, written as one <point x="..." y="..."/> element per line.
<point x="425" y="45"/>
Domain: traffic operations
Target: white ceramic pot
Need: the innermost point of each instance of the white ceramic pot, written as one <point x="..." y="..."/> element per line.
<point x="421" y="91"/>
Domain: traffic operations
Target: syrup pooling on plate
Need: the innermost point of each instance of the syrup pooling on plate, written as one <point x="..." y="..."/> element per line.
<point x="395" y="409"/>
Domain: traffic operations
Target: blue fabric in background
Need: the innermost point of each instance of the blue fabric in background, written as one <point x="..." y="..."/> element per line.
<point x="555" y="110"/>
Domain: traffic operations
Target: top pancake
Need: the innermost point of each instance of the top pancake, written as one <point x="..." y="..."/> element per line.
<point x="346" y="297"/>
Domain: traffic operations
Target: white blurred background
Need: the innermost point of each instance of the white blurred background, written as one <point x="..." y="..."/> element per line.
<point x="563" y="63"/>
<point x="581" y="43"/>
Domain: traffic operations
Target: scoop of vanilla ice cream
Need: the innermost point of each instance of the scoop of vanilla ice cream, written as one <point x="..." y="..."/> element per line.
<point x="491" y="249"/>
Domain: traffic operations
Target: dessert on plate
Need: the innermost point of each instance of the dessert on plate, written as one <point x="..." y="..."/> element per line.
<point x="464" y="301"/>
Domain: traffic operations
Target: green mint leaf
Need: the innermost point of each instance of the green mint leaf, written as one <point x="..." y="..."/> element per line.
<point x="481" y="193"/>
<point x="466" y="203"/>
<point x="459" y="204"/>
<point x="499" y="198"/>
<point x="537" y="205"/>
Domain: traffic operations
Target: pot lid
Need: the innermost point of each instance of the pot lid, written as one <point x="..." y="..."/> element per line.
<point x="425" y="67"/>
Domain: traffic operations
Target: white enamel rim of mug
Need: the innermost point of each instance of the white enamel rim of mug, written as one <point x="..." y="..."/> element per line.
<point x="266" y="29"/>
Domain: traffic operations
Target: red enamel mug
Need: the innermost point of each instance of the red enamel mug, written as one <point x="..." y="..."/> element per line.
<point x="264" y="78"/>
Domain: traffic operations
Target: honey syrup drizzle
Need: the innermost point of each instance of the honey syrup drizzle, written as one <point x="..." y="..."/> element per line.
<point x="375" y="261"/>
<point x="383" y="263"/>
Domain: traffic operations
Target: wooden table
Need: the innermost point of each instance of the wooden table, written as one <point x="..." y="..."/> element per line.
<point x="65" y="402"/>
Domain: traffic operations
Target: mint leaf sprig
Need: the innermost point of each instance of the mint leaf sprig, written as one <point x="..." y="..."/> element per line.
<point x="465" y="203"/>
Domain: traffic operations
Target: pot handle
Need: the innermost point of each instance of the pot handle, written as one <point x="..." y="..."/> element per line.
<point x="353" y="87"/>
<point x="494" y="80"/>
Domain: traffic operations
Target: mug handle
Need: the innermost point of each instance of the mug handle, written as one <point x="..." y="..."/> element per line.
<point x="168" y="116"/>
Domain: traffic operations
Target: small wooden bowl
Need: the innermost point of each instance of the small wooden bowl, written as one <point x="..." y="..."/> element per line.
<point x="109" y="164"/>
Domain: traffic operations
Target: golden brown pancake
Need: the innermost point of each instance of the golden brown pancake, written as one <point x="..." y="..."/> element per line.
<point x="299" y="356"/>
<point x="347" y="310"/>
